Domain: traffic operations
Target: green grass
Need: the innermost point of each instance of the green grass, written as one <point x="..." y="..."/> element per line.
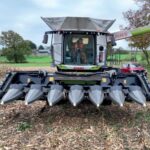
<point x="3" y="59"/>
<point x="127" y="57"/>
<point x="41" y="61"/>
<point x="22" y="126"/>
<point x="32" y="61"/>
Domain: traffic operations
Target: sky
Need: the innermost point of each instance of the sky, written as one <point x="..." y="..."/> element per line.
<point x="24" y="16"/>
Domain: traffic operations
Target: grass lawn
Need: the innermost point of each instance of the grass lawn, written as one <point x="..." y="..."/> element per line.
<point x="31" y="61"/>
<point x="126" y="57"/>
<point x="41" y="61"/>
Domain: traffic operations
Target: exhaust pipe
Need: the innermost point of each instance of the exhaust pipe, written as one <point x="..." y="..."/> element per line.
<point x="136" y="94"/>
<point x="14" y="92"/>
<point x="55" y="94"/>
<point x="76" y="94"/>
<point x="96" y="95"/>
<point x="34" y="94"/>
<point x="117" y="95"/>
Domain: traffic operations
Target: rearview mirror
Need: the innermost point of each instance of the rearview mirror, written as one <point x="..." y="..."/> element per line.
<point x="113" y="42"/>
<point x="101" y="48"/>
<point x="45" y="39"/>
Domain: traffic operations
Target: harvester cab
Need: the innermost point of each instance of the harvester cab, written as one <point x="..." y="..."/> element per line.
<point x="79" y="44"/>
<point x="78" y="50"/>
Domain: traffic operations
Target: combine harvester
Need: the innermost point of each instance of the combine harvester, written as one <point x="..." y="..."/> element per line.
<point x="78" y="50"/>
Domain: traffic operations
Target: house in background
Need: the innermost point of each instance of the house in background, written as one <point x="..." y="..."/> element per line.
<point x="41" y="52"/>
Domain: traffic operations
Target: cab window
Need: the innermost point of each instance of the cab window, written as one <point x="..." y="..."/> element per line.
<point x="79" y="49"/>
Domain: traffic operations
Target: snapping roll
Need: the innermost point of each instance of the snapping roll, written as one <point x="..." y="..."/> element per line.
<point x="76" y="94"/>
<point x="96" y="95"/>
<point x="14" y="92"/>
<point x="55" y="94"/>
<point x="116" y="94"/>
<point x="136" y="94"/>
<point x="34" y="94"/>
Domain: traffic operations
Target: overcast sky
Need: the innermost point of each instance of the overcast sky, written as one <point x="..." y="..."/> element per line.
<point x="23" y="16"/>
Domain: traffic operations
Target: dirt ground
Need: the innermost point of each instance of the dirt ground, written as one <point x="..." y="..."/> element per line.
<point x="63" y="127"/>
<point x="68" y="128"/>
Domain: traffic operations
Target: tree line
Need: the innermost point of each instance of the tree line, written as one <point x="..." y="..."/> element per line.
<point x="15" y="48"/>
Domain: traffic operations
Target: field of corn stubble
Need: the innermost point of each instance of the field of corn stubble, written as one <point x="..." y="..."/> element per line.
<point x="68" y="128"/>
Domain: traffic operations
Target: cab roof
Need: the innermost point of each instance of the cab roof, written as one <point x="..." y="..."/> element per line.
<point x="78" y="24"/>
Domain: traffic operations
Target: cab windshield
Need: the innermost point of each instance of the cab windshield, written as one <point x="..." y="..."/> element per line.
<point x="79" y="49"/>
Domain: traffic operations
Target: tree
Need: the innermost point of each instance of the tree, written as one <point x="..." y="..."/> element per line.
<point x="41" y="47"/>
<point x="31" y="44"/>
<point x="139" y="18"/>
<point x="15" y="47"/>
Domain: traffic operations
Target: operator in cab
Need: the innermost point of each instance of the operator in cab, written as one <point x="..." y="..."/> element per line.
<point x="79" y="51"/>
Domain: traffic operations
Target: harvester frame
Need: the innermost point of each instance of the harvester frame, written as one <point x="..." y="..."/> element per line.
<point x="76" y="78"/>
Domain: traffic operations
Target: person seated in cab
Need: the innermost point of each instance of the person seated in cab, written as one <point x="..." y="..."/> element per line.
<point x="79" y="52"/>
